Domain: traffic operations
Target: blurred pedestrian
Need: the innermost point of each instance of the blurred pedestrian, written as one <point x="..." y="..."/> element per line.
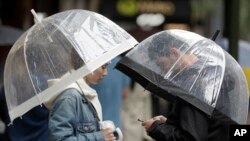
<point x="31" y="126"/>
<point x="136" y="105"/>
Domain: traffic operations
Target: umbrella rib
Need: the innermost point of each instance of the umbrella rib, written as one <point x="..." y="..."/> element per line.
<point x="51" y="62"/>
<point x="93" y="38"/>
<point x="168" y="73"/>
<point x="26" y="63"/>
<point x="214" y="96"/>
<point x="203" y="65"/>
<point x="178" y="73"/>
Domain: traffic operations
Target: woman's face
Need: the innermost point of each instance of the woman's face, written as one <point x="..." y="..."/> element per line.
<point x="97" y="75"/>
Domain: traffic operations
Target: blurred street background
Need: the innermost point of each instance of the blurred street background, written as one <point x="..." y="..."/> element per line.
<point x="141" y="18"/>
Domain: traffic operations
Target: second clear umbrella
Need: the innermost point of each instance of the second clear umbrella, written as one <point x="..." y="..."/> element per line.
<point x="178" y="63"/>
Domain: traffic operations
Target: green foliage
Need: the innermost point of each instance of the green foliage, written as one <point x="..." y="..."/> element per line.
<point x="244" y="19"/>
<point x="201" y="9"/>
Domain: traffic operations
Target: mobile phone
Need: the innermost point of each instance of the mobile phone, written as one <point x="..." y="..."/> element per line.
<point x="140" y="120"/>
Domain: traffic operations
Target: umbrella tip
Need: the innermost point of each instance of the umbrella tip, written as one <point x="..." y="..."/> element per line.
<point x="36" y="18"/>
<point x="215" y="35"/>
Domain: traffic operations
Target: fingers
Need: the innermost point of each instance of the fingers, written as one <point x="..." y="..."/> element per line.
<point x="147" y="124"/>
<point x="156" y="118"/>
<point x="160" y="118"/>
<point x="108" y="134"/>
<point x="143" y="123"/>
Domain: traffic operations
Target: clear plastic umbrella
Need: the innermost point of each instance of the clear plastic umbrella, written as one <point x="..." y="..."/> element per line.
<point x="46" y="52"/>
<point x="177" y="63"/>
<point x="244" y="51"/>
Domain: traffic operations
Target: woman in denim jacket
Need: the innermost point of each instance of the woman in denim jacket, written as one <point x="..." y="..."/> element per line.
<point x="75" y="113"/>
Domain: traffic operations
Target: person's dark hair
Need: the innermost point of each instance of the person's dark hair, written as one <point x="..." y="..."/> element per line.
<point x="76" y="60"/>
<point x="160" y="45"/>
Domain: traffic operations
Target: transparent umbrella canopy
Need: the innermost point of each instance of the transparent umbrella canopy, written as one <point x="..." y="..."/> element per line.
<point x="178" y="63"/>
<point x="244" y="51"/>
<point x="46" y="52"/>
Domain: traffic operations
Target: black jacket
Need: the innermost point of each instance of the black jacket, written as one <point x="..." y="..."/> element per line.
<point x="187" y="123"/>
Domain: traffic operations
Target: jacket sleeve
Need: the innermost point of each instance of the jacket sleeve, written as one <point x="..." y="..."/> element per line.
<point x="63" y="123"/>
<point x="184" y="123"/>
<point x="167" y="132"/>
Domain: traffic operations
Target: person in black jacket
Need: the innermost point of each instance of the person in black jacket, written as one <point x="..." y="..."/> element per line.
<point x="184" y="122"/>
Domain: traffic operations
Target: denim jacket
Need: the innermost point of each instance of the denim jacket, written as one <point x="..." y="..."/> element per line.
<point x="72" y="118"/>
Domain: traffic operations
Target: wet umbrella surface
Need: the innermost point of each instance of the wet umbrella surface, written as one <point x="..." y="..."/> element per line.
<point x="46" y="52"/>
<point x="177" y="63"/>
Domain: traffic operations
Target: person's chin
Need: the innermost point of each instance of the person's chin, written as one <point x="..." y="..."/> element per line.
<point x="98" y="81"/>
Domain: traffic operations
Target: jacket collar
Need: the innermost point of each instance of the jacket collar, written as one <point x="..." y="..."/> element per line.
<point x="80" y="85"/>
